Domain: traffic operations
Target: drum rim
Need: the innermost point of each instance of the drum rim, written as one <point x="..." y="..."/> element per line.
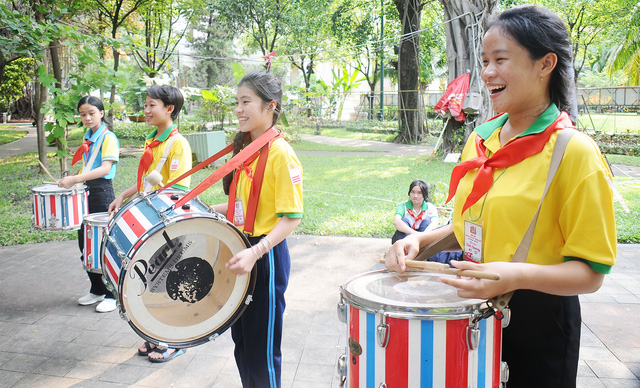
<point x="76" y="189"/>
<point x="89" y="219"/>
<point x="453" y="310"/>
<point x="239" y="310"/>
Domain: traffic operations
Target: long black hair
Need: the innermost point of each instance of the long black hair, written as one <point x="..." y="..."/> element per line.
<point x="95" y="101"/>
<point x="540" y="31"/>
<point x="267" y="86"/>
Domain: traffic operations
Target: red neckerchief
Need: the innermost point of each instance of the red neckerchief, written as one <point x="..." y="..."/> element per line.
<point x="84" y="148"/>
<point x="417" y="218"/>
<point x="513" y="152"/>
<point x="147" y="157"/>
<point x="256" y="185"/>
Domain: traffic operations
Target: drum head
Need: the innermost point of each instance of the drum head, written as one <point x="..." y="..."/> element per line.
<point x="97" y="219"/>
<point x="176" y="289"/>
<point x="409" y="295"/>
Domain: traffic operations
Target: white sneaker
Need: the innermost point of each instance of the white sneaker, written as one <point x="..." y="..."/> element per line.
<point x="106" y="305"/>
<point x="90" y="299"/>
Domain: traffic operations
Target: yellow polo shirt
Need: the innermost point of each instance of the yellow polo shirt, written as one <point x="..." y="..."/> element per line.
<point x="178" y="161"/>
<point x="576" y="221"/>
<point x="281" y="193"/>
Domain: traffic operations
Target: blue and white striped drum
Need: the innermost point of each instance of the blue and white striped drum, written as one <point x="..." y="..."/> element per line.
<point x="166" y="267"/>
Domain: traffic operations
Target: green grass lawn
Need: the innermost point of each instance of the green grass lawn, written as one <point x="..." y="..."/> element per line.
<point x="7" y="136"/>
<point x="610" y="122"/>
<point x="345" y="195"/>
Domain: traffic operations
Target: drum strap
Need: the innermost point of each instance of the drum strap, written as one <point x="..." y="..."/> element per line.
<point x="226" y="168"/>
<point x="256" y="186"/>
<point x="147" y="156"/>
<point x="94" y="151"/>
<point x="500" y="302"/>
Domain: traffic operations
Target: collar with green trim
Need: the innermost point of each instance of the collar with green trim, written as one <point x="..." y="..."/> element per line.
<point x="546" y="118"/>
<point x="164" y="135"/>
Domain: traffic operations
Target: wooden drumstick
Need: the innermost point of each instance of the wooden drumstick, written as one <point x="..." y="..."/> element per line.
<point x="429" y="266"/>
<point x="47" y="171"/>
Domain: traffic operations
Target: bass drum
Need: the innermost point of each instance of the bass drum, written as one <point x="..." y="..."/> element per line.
<point x="166" y="267"/>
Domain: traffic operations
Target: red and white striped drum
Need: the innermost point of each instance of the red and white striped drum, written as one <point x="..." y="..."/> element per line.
<point x="57" y="209"/>
<point x="94" y="224"/>
<point x="166" y="267"/>
<point x="410" y="330"/>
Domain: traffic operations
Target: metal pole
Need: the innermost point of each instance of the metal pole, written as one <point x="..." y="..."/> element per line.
<point x="381" y="115"/>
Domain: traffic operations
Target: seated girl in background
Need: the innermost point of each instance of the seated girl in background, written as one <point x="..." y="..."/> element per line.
<point x="417" y="214"/>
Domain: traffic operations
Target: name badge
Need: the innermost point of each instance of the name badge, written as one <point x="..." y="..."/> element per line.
<point x="472" y="242"/>
<point x="238" y="213"/>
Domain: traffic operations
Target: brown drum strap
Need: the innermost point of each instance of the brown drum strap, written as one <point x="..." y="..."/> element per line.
<point x="445" y="242"/>
<point x="500" y="302"/>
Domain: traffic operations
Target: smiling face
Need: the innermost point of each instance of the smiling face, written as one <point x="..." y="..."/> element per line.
<point x="254" y="116"/>
<point x="157" y="114"/>
<point x="512" y="77"/>
<point x="91" y="116"/>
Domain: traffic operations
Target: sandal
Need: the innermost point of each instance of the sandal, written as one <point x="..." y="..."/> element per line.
<point x="150" y="348"/>
<point x="166" y="356"/>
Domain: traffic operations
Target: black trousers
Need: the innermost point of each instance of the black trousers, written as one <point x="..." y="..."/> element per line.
<point x="542" y="342"/>
<point x="101" y="194"/>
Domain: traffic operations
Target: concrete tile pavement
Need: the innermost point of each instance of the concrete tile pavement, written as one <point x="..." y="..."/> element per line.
<point x="47" y="339"/>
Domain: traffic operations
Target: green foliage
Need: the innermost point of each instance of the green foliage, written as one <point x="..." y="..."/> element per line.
<point x="219" y="101"/>
<point x="16" y="76"/>
<point x="627" y="57"/>
<point x="343" y="82"/>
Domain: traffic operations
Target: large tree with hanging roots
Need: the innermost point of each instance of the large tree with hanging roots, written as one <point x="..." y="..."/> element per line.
<point x="465" y="23"/>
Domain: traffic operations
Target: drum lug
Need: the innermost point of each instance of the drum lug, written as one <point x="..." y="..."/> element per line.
<point x="473" y="338"/>
<point x="213" y="336"/>
<point x="507" y="317"/>
<point x="504" y="372"/>
<point x="342" y="311"/>
<point x="124" y="315"/>
<point x="248" y="299"/>
<point x="383" y="333"/>
<point x="342" y="368"/>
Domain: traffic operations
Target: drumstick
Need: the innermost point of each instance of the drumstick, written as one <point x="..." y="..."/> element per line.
<point x="50" y="183"/>
<point x="47" y="171"/>
<point x="429" y="266"/>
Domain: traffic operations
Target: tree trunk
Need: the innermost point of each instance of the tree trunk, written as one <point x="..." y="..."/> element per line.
<point x="57" y="73"/>
<point x="40" y="98"/>
<point x="411" y="118"/>
<point x="465" y="22"/>
<point x="116" y="64"/>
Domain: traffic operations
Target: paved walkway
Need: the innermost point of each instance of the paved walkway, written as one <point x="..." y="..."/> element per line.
<point x="48" y="340"/>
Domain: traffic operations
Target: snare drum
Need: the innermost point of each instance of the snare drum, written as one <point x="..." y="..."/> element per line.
<point x="410" y="330"/>
<point x="94" y="224"/>
<point x="167" y="269"/>
<point x="56" y="208"/>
